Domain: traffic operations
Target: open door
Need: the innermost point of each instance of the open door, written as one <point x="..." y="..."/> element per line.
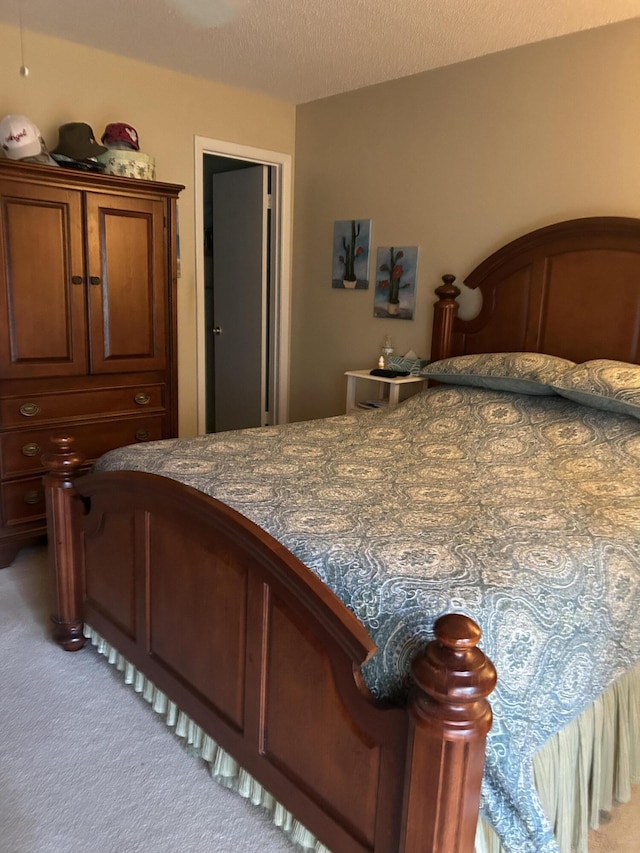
<point x="214" y="156"/>
<point x="240" y="316"/>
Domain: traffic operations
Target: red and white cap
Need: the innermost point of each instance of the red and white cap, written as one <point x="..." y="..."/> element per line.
<point x="120" y="132"/>
<point x="19" y="137"/>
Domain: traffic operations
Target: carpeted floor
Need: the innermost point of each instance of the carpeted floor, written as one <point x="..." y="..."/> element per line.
<point x="622" y="833"/>
<point x="85" y="765"/>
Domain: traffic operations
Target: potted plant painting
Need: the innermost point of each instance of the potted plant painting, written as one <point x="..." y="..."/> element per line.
<point x="351" y="254"/>
<point x="395" y="283"/>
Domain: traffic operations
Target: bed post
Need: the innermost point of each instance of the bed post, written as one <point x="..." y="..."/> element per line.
<point x="444" y="313"/>
<point x="450" y="718"/>
<point x="63" y="464"/>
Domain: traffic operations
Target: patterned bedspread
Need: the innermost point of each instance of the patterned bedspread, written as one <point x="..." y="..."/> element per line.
<point x="522" y="512"/>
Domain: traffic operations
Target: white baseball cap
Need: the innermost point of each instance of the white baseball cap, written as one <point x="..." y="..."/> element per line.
<point x="19" y="137"/>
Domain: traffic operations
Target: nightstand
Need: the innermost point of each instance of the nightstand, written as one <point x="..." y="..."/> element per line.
<point x="384" y="382"/>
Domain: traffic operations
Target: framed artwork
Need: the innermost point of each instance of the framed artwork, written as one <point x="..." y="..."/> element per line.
<point x="395" y="293"/>
<point x="351" y="251"/>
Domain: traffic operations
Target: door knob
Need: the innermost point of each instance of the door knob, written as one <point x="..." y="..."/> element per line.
<point x="217" y="330"/>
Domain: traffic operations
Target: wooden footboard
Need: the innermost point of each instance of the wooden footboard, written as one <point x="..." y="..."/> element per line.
<point x="266" y="659"/>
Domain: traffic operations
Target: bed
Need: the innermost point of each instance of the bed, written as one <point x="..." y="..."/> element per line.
<point x="223" y="608"/>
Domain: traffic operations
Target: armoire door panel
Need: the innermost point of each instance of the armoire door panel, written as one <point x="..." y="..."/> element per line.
<point x="127" y="285"/>
<point x="41" y="308"/>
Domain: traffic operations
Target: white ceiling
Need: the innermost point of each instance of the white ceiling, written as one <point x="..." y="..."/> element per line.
<point x="301" y="50"/>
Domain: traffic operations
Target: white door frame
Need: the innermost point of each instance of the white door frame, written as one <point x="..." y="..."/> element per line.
<point x="281" y="235"/>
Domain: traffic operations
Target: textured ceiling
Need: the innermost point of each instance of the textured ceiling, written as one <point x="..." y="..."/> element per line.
<point x="301" y="50"/>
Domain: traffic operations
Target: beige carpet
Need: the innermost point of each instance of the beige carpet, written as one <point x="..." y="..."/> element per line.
<point x="622" y="833"/>
<point x="85" y="765"/>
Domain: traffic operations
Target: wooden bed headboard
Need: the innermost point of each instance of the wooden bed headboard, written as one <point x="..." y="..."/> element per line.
<point x="571" y="289"/>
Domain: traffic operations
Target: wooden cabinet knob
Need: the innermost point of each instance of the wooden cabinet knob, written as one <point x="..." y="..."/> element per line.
<point x="94" y="279"/>
<point x="76" y="279"/>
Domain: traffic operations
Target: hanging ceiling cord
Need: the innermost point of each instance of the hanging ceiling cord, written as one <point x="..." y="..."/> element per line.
<point x="24" y="70"/>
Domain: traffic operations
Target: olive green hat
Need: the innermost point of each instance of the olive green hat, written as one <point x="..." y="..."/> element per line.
<point x="77" y="141"/>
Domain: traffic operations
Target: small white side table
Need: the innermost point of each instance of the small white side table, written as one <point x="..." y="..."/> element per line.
<point x="383" y="382"/>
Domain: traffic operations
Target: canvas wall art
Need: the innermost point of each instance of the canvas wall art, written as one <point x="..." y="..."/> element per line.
<point x="395" y="293"/>
<point x="351" y="252"/>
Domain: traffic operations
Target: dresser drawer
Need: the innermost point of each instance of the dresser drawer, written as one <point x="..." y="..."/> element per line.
<point x="23" y="500"/>
<point x="22" y="451"/>
<point x="63" y="405"/>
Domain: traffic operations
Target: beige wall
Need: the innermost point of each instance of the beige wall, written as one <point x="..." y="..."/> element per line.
<point x="68" y="82"/>
<point x="456" y="161"/>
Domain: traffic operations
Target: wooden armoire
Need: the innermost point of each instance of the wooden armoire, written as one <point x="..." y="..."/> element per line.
<point x="88" y="272"/>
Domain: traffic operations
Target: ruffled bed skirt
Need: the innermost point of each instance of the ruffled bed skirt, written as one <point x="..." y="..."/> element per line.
<point x="587" y="766"/>
<point x="578" y="773"/>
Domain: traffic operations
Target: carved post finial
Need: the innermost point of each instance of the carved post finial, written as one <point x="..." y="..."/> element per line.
<point x="62" y="461"/>
<point x="453" y="678"/>
<point x="450" y="719"/>
<point x="448" y="290"/>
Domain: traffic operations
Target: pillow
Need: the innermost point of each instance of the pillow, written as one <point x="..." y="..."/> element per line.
<point x="603" y="384"/>
<point x="521" y="372"/>
<point x="413" y="365"/>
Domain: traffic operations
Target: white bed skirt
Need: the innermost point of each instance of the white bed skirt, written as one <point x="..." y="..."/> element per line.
<point x="587" y="766"/>
<point x="578" y="773"/>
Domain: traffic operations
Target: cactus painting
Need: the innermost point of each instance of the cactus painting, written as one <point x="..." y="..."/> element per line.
<point x="351" y="250"/>
<point x="395" y="294"/>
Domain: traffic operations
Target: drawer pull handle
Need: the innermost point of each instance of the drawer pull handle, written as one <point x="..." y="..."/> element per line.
<point x="29" y="409"/>
<point x="142" y="398"/>
<point x="33" y="497"/>
<point x="142" y="434"/>
<point x="94" y="279"/>
<point x="31" y="449"/>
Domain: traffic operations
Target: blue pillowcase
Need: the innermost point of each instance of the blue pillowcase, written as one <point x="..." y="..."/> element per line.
<point x="519" y="372"/>
<point x="613" y="386"/>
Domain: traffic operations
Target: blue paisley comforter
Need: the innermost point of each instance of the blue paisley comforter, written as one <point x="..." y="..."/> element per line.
<point x="522" y="512"/>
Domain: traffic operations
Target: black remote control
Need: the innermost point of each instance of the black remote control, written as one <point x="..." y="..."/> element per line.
<point x="390" y="374"/>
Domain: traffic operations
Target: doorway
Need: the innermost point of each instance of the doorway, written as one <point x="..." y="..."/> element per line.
<point x="239" y="305"/>
<point x="243" y="327"/>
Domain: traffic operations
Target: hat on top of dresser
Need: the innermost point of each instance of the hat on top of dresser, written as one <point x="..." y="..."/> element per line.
<point x="19" y="137"/>
<point x="121" y="135"/>
<point x="76" y="141"/>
